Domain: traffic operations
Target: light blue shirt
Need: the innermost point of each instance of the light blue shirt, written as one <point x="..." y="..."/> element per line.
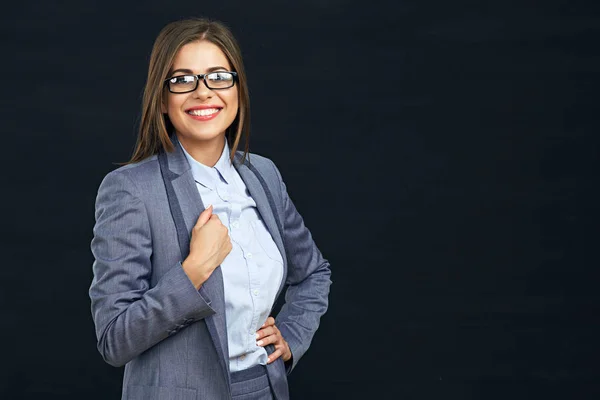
<point x="253" y="270"/>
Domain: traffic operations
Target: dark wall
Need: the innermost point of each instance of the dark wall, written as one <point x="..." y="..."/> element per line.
<point x="443" y="154"/>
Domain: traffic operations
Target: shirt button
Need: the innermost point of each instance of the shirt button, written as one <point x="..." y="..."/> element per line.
<point x="243" y="357"/>
<point x="255" y="292"/>
<point x="249" y="255"/>
<point x="235" y="224"/>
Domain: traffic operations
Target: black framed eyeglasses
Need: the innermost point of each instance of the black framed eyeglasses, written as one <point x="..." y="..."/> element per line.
<point x="213" y="80"/>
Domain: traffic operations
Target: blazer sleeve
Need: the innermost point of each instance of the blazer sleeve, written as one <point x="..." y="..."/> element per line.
<point x="129" y="315"/>
<point x="308" y="280"/>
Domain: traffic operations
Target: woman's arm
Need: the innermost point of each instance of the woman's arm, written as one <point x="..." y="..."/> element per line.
<point x="131" y="317"/>
<point x="308" y="277"/>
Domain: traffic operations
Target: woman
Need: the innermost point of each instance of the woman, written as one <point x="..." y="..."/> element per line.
<point x="182" y="293"/>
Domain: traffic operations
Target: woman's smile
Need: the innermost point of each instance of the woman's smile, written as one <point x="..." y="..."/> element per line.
<point x="203" y="113"/>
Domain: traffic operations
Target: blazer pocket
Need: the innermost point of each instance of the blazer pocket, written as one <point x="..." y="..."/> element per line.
<point x="139" y="392"/>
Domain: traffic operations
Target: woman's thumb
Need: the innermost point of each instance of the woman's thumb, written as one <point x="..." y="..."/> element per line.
<point x="204" y="216"/>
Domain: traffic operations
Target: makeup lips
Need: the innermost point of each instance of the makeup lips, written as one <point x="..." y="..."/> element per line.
<point x="203" y="113"/>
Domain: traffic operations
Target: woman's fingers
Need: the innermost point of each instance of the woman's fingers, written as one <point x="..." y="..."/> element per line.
<point x="268" y="331"/>
<point x="272" y="339"/>
<point x="269" y="321"/>
<point x="204" y="217"/>
<point x="274" y="355"/>
<point x="270" y="334"/>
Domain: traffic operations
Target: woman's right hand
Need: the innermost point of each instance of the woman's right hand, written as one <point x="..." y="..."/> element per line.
<point x="209" y="246"/>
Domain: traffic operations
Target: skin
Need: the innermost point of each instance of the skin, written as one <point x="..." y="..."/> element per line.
<point x="269" y="334"/>
<point x="204" y="141"/>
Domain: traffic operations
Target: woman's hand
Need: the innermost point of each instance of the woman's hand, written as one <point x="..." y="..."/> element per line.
<point x="209" y="246"/>
<point x="269" y="334"/>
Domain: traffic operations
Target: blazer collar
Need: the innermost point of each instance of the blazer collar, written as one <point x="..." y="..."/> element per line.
<point x="178" y="163"/>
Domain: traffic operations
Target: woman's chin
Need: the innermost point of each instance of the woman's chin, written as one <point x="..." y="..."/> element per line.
<point x="198" y="137"/>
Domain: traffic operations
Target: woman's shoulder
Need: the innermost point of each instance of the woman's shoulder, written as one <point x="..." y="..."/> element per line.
<point x="146" y="166"/>
<point x="140" y="174"/>
<point x="264" y="165"/>
<point x="257" y="161"/>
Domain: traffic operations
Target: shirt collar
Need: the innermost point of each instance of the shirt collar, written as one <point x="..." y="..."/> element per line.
<point x="206" y="175"/>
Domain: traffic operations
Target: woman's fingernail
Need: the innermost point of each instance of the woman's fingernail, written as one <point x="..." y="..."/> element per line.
<point x="259" y="342"/>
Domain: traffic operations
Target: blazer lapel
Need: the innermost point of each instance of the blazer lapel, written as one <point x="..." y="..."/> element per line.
<point x="265" y="210"/>
<point x="190" y="203"/>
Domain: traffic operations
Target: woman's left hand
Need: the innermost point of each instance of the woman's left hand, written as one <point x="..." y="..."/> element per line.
<point x="269" y="334"/>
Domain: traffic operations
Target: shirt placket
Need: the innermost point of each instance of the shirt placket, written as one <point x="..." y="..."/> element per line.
<point x="236" y="234"/>
<point x="255" y="292"/>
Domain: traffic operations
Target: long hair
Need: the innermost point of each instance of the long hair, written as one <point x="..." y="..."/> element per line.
<point x="155" y="127"/>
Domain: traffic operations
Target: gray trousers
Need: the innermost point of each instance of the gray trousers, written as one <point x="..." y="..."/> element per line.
<point x="251" y="384"/>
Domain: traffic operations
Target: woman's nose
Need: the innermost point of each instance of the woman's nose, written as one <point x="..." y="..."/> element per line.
<point x="202" y="91"/>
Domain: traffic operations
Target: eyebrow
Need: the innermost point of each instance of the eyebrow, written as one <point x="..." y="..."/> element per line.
<point x="189" y="71"/>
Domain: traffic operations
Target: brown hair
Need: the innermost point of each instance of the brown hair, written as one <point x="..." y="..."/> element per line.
<point x="155" y="127"/>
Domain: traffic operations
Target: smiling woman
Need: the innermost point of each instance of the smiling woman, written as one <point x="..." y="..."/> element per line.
<point x="186" y="50"/>
<point x="182" y="294"/>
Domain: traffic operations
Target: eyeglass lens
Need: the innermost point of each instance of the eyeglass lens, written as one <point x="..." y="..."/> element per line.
<point x="188" y="83"/>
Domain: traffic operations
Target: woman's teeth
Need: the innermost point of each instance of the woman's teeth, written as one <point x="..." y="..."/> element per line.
<point x="204" y="112"/>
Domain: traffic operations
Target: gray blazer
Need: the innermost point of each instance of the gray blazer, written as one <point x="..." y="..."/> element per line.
<point x="148" y="315"/>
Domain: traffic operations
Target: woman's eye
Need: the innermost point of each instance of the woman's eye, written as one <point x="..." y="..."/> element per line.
<point x="179" y="80"/>
<point x="220" y="76"/>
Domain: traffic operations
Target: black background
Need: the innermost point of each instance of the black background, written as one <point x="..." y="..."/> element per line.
<point x="443" y="154"/>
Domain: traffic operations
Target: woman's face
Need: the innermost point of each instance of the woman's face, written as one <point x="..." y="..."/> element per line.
<point x="204" y="114"/>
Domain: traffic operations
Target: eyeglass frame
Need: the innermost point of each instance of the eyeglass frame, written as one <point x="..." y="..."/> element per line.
<point x="203" y="78"/>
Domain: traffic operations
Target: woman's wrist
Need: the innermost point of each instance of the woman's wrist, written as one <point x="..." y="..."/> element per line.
<point x="193" y="273"/>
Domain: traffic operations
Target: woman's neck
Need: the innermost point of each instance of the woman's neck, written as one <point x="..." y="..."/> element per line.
<point x="206" y="152"/>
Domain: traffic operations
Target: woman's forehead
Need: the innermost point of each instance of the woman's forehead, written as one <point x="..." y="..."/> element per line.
<point x="200" y="56"/>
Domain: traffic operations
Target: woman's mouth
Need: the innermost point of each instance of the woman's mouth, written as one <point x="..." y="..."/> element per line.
<point x="203" y="114"/>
